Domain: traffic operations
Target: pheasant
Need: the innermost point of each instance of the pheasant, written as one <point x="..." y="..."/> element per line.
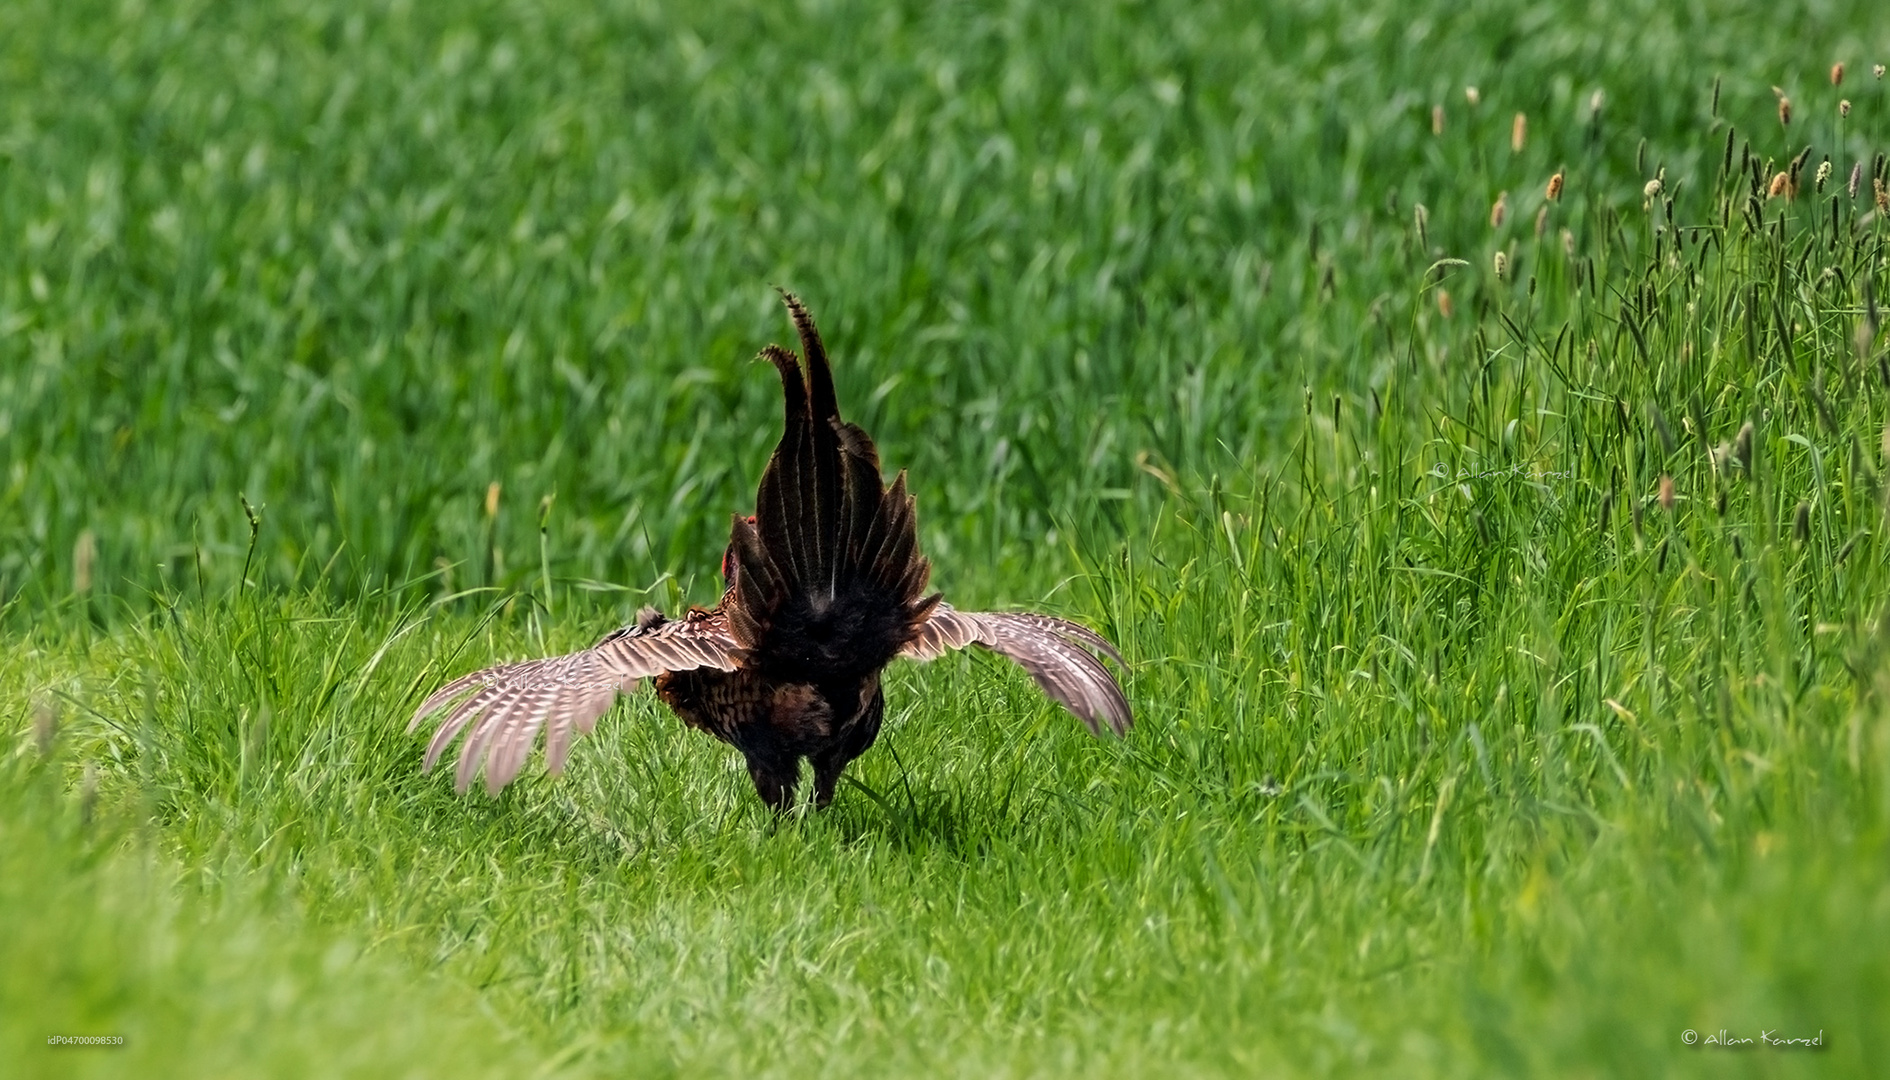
<point x="825" y="587"/>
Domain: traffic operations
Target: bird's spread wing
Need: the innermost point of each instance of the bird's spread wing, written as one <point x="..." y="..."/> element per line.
<point x="1057" y="654"/>
<point x="505" y="706"/>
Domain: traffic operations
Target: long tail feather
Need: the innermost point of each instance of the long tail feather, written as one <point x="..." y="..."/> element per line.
<point x="825" y="406"/>
<point x="831" y="575"/>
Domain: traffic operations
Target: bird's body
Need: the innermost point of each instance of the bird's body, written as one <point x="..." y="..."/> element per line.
<point x="825" y="588"/>
<point x="827" y="716"/>
<point x="775" y="723"/>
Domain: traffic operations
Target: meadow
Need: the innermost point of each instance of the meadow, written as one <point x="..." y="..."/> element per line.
<point x="1501" y="561"/>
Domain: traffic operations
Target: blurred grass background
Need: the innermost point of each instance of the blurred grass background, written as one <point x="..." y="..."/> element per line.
<point x="1461" y="750"/>
<point x="359" y="262"/>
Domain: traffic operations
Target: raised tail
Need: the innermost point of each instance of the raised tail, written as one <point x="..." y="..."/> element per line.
<point x="828" y="581"/>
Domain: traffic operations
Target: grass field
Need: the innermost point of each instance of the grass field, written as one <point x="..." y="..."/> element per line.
<point x="1509" y="644"/>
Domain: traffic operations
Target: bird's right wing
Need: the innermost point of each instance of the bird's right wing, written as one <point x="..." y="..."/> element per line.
<point x="505" y="706"/>
<point x="1056" y="652"/>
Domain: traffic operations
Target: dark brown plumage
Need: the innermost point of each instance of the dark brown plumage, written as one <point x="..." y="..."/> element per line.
<point x="825" y="587"/>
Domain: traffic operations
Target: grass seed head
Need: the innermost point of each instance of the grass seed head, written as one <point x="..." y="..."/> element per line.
<point x="492" y="499"/>
<point x="1652" y="188"/>
<point x="1421" y="217"/>
<point x="1844" y="107"/>
<point x="1742" y="448"/>
<point x="1781" y="185"/>
<point x="1594" y="104"/>
<point x="1876" y="70"/>
<point x="1857" y="174"/>
<point x="1666" y="492"/>
<point x="1472" y="95"/>
<point x="84" y="556"/>
<point x="88" y="792"/>
<point x="1824" y="173"/>
<point x="1444" y="306"/>
<point x="1518" y="133"/>
<point x="45" y="725"/>
<point x="1554" y="191"/>
<point x="1437" y="119"/>
<point x="1499" y="211"/>
<point x="1837" y="73"/>
<point x="1568" y="243"/>
<point x="1784" y="110"/>
<point x="1799" y="159"/>
<point x="1542" y="220"/>
<point x="1880" y="195"/>
<point x="1661" y="428"/>
<point x="1801" y="523"/>
<point x="1501" y="264"/>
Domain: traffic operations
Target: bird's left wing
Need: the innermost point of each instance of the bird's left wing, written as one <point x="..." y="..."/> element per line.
<point x="1057" y="653"/>
<point x="505" y="706"/>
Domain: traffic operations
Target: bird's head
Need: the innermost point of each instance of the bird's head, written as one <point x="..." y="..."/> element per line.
<point x="728" y="556"/>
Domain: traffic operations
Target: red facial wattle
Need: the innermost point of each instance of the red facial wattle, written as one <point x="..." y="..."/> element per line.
<point x="728" y="556"/>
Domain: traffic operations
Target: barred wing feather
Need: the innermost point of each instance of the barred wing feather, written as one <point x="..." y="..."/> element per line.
<point x="505" y="706"/>
<point x="1055" y="652"/>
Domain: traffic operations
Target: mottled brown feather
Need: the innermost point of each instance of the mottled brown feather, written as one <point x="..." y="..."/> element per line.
<point x="506" y="706"/>
<point x="1045" y="647"/>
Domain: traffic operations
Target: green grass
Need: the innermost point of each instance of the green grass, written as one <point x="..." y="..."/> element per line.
<point x="1458" y="752"/>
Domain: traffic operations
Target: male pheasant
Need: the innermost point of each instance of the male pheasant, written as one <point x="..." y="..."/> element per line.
<point x="825" y="587"/>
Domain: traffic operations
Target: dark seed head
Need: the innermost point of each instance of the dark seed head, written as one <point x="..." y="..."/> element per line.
<point x="1845" y="551"/>
<point x="1660" y="428"/>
